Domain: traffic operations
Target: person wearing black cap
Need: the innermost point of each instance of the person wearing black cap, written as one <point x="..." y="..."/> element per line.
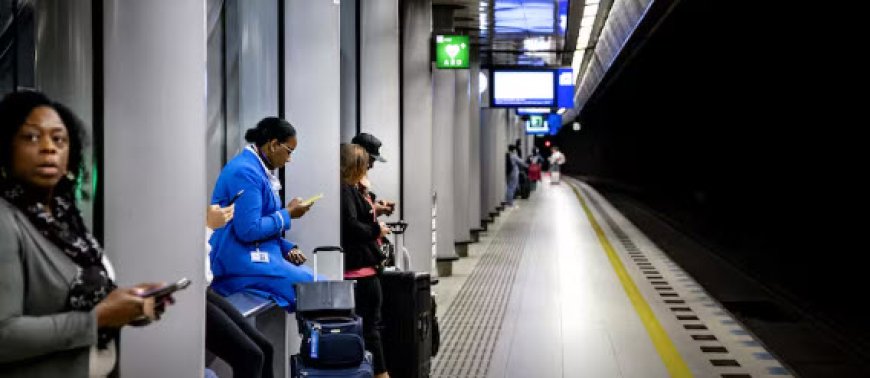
<point x="372" y="145"/>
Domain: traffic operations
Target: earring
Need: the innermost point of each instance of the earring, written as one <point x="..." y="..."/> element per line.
<point x="70" y="176"/>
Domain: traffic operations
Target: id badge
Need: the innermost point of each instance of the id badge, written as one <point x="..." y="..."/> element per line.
<point x="259" y="257"/>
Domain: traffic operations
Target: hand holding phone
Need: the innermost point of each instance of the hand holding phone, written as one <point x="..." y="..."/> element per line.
<point x="311" y="200"/>
<point x="235" y="197"/>
<point x="166" y="290"/>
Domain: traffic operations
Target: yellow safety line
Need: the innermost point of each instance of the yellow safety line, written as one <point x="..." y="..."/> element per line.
<point x="669" y="354"/>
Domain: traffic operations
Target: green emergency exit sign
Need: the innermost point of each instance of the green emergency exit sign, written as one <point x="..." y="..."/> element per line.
<point x="451" y="51"/>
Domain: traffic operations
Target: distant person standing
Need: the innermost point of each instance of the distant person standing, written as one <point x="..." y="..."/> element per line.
<point x="556" y="160"/>
<point x="534" y="160"/>
<point x="513" y="165"/>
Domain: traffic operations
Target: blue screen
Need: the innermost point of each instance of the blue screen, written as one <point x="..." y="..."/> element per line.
<point x="565" y="90"/>
<point x="554" y="121"/>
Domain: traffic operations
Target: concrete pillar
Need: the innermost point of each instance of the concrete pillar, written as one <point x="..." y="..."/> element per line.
<point x="493" y="124"/>
<point x="502" y="137"/>
<point x="379" y="91"/>
<point x="461" y="162"/>
<point x="349" y="58"/>
<point x="65" y="72"/>
<point x="474" y="160"/>
<point x="417" y="131"/>
<point x="444" y="88"/>
<point x="252" y="67"/>
<point x="155" y="127"/>
<point x="312" y="92"/>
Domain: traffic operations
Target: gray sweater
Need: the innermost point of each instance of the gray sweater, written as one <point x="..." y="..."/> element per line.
<point x="38" y="338"/>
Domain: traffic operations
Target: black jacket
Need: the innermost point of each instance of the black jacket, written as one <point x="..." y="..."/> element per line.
<point x="359" y="231"/>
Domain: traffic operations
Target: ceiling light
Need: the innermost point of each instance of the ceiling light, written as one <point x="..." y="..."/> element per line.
<point x="590" y="10"/>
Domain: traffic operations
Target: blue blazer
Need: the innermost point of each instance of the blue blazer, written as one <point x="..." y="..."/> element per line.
<point x="257" y="224"/>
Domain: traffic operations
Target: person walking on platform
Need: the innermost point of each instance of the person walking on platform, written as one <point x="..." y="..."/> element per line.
<point x="250" y="254"/>
<point x="513" y="164"/>
<point x="556" y="161"/>
<point x="360" y="232"/>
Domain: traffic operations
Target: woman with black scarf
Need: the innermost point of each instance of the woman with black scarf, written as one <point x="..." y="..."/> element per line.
<point x="60" y="310"/>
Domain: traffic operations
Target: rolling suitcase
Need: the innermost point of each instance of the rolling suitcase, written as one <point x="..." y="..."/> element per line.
<point x="300" y="370"/>
<point x="524" y="189"/>
<point x="407" y="323"/>
<point x="332" y="342"/>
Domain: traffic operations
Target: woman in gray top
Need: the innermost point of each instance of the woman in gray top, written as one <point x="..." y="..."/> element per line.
<point x="60" y="310"/>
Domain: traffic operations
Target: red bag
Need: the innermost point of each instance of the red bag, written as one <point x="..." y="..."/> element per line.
<point x="535" y="172"/>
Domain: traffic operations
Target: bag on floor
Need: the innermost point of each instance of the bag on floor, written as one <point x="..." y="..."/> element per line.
<point x="332" y="342"/>
<point x="299" y="369"/>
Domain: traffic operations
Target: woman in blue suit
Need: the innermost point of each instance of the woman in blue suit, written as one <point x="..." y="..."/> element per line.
<point x="249" y="254"/>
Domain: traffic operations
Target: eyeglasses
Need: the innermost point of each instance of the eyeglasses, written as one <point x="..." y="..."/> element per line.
<point x="289" y="150"/>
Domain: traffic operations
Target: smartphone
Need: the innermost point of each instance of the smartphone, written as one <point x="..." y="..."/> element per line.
<point x="168" y="289"/>
<point x="235" y="197"/>
<point x="311" y="200"/>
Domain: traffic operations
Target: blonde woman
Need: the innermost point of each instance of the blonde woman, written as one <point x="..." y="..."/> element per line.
<point x="360" y="232"/>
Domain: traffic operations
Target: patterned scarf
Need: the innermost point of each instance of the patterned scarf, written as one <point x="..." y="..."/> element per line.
<point x="64" y="227"/>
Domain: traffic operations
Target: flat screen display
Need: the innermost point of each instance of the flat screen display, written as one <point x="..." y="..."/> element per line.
<point x="523" y="88"/>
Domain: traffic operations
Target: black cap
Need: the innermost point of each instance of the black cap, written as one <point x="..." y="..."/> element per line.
<point x="371" y="144"/>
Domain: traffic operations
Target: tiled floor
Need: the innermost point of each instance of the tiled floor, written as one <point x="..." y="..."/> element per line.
<point x="538" y="296"/>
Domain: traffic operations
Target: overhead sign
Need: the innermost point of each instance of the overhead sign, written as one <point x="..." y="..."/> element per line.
<point x="451" y="51"/>
<point x="537" y="125"/>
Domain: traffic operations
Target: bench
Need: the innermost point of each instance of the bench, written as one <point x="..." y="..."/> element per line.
<point x="271" y="321"/>
<point x="250" y="305"/>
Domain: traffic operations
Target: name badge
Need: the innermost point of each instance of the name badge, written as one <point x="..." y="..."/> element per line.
<point x="259" y="257"/>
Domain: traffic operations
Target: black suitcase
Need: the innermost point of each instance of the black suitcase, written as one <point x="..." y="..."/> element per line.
<point x="407" y="319"/>
<point x="524" y="189"/>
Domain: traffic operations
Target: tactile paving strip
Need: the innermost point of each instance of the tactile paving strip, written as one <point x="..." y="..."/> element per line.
<point x="472" y="324"/>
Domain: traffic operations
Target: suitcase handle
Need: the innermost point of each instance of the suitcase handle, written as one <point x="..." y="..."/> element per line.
<point x="327" y="248"/>
<point x="398" y="227"/>
<point x="332" y="318"/>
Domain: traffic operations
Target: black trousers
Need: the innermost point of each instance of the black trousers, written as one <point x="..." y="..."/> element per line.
<point x="368" y="298"/>
<point x="234" y="340"/>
